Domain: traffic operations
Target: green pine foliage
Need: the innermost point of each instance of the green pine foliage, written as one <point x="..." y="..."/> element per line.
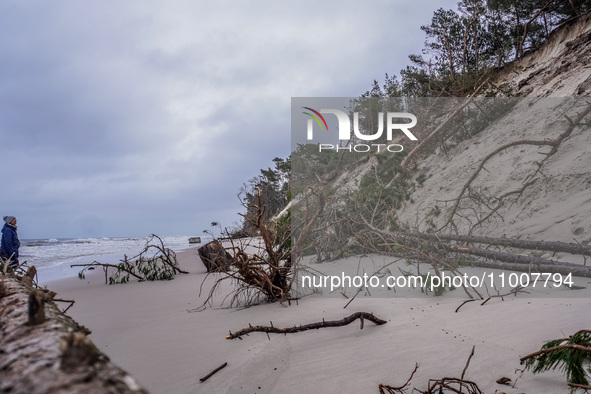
<point x="274" y="188"/>
<point x="461" y="46"/>
<point x="574" y="362"/>
<point x="154" y="262"/>
<point x="149" y="269"/>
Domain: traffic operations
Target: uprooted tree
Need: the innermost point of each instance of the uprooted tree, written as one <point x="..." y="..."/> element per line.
<point x="261" y="267"/>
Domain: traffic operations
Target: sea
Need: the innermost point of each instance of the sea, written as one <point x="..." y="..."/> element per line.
<point x="53" y="257"/>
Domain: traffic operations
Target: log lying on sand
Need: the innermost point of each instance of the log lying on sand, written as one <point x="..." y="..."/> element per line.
<point x="44" y="351"/>
<point x="215" y="257"/>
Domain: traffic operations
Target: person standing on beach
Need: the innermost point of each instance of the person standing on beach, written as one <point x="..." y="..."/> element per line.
<point x="10" y="242"/>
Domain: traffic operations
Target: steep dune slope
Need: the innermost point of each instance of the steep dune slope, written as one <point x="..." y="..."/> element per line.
<point x="560" y="68"/>
<point x="513" y="196"/>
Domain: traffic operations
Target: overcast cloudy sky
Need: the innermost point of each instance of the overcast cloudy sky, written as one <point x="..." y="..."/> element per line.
<point x="126" y="118"/>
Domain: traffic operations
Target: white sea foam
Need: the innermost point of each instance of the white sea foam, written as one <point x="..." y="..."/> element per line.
<point x="53" y="257"/>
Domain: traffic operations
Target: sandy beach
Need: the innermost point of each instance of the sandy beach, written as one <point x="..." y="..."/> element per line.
<point x="146" y="328"/>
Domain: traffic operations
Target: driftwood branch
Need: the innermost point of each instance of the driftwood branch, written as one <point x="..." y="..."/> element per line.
<point x="454" y="385"/>
<point x="45" y="351"/>
<point x="209" y="375"/>
<point x="463" y="303"/>
<point x="334" y="323"/>
<point x="517" y="262"/>
<point x="468" y="362"/>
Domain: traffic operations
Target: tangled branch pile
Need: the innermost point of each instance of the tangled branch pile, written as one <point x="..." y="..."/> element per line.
<point x="260" y="268"/>
<point x="154" y="262"/>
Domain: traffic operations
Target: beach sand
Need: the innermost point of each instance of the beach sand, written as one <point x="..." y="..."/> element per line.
<point x="147" y="329"/>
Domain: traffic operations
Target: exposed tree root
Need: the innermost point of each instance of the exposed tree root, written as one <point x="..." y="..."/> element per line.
<point x="439" y="386"/>
<point x="385" y="389"/>
<point x="266" y="273"/>
<point x="580" y="386"/>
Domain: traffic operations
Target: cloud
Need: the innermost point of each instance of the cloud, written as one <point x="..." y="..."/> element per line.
<point x="147" y="116"/>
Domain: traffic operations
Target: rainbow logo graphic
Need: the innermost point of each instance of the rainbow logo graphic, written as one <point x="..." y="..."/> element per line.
<point x="316" y="118"/>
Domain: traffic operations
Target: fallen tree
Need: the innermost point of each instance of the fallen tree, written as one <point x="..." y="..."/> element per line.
<point x="154" y="262"/>
<point x="550" y="246"/>
<point x="494" y="259"/>
<point x="43" y="350"/>
<point x="214" y="256"/>
<point x="263" y="268"/>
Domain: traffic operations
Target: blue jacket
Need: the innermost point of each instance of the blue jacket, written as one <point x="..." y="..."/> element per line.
<point x="10" y="242"/>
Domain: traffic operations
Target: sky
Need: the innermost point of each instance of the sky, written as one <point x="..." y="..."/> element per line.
<point x="127" y="118"/>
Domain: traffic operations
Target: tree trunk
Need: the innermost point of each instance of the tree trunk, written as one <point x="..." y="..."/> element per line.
<point x="215" y="257"/>
<point x="43" y="350"/>
<point x="550" y="246"/>
<point x="521" y="263"/>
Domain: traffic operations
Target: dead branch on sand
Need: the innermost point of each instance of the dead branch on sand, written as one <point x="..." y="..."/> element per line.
<point x="71" y="302"/>
<point x="455" y="385"/>
<point x="209" y="375"/>
<point x="334" y="323"/>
